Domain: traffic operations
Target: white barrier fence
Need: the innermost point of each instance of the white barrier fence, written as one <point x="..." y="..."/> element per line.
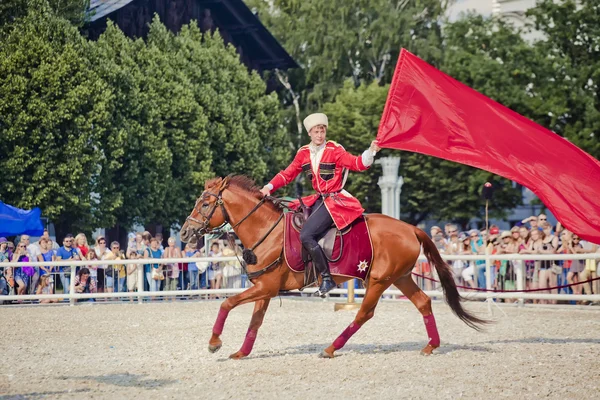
<point x="141" y="293"/>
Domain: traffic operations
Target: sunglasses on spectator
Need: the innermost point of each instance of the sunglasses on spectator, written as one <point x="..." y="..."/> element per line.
<point x="576" y="239"/>
<point x="454" y="231"/>
<point x="21" y="246"/>
<point x="542" y="219"/>
<point x="115" y="247"/>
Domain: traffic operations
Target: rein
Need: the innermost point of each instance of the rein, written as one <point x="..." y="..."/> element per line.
<point x="248" y="254"/>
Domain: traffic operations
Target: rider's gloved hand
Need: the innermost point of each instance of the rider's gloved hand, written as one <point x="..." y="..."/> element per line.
<point x="375" y="146"/>
<point x="266" y="191"/>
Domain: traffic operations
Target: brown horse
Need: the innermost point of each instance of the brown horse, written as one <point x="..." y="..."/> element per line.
<point x="258" y="223"/>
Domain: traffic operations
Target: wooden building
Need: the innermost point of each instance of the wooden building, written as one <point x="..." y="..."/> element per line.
<point x="238" y="25"/>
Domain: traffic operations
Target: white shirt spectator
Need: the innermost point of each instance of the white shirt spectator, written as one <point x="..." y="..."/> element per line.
<point x="34" y="251"/>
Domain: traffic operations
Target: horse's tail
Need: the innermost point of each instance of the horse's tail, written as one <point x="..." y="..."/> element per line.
<point x="453" y="298"/>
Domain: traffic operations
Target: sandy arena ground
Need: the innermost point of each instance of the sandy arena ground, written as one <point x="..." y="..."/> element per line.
<point x="158" y="351"/>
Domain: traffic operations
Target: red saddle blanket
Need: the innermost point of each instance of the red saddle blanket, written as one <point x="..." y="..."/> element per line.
<point x="352" y="253"/>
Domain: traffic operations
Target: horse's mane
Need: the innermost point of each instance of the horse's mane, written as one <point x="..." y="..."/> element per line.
<point x="245" y="184"/>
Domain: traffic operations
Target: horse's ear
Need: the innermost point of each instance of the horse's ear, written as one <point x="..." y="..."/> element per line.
<point x="224" y="183"/>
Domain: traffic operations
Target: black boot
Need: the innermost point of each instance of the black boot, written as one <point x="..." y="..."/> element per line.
<point x="320" y="262"/>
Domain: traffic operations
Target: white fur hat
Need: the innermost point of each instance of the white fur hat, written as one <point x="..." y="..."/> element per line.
<point x="315" y="119"/>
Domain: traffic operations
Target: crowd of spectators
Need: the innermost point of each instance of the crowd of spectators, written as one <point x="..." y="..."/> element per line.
<point x="533" y="235"/>
<point x="117" y="277"/>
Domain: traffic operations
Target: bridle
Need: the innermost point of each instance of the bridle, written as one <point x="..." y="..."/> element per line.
<point x="204" y="226"/>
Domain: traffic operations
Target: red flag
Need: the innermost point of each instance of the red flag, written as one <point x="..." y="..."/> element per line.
<point x="431" y="113"/>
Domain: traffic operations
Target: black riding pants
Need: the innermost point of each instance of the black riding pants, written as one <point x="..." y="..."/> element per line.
<point x="316" y="226"/>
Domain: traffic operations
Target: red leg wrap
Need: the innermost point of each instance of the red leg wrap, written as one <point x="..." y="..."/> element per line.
<point x="432" y="332"/>
<point x="347" y="334"/>
<point x="249" y="342"/>
<point x="218" y="328"/>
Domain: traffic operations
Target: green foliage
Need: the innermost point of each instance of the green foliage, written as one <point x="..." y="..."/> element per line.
<point x="339" y="39"/>
<point x="127" y="131"/>
<point x="136" y="156"/>
<point x="189" y="110"/>
<point x="73" y="10"/>
<point x="53" y="110"/>
<point x="571" y="47"/>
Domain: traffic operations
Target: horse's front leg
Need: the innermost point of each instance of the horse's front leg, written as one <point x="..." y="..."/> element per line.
<point x="260" y="309"/>
<point x="257" y="292"/>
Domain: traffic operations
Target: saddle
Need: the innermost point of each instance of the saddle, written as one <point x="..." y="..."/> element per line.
<point x="327" y="242"/>
<point x="348" y="251"/>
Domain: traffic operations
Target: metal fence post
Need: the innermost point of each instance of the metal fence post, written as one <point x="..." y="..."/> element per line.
<point x="488" y="276"/>
<point x="140" y="283"/>
<point x="72" y="285"/>
<point x="520" y="272"/>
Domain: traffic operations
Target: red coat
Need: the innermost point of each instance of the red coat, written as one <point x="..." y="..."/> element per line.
<point x="342" y="206"/>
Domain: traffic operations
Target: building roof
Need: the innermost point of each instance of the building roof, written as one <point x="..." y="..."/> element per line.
<point x="101" y="8"/>
<point x="235" y="18"/>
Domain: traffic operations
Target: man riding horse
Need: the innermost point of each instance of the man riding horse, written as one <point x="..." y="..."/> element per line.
<point x="326" y="164"/>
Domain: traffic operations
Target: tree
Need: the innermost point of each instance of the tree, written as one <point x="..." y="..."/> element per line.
<point x="571" y="45"/>
<point x="225" y="122"/>
<point x="73" y="10"/>
<point x="52" y="113"/>
<point x="189" y="110"/>
<point x="136" y="155"/>
<point x="336" y="40"/>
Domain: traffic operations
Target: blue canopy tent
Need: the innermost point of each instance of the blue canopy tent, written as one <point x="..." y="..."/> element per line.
<point x="14" y="221"/>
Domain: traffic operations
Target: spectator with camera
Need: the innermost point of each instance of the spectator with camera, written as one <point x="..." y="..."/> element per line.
<point x="84" y="284"/>
<point x="22" y="274"/>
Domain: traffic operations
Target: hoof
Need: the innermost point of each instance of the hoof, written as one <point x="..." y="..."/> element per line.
<point x="428" y="350"/>
<point x="214" y="344"/>
<point x="238" y="355"/>
<point x="325" y="354"/>
<point x="214" y="348"/>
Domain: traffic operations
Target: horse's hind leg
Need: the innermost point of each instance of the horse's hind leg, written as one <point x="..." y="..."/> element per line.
<point x="423" y="304"/>
<point x="365" y="313"/>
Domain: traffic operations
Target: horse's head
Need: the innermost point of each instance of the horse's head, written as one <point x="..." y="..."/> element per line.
<point x="208" y="213"/>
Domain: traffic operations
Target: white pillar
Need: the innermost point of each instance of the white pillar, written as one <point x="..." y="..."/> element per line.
<point x="391" y="186"/>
